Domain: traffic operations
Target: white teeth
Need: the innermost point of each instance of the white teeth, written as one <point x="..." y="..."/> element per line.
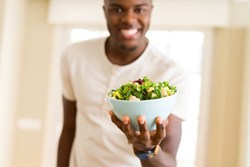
<point x="129" y="32"/>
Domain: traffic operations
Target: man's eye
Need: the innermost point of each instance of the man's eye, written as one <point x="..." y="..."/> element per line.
<point x="140" y="10"/>
<point x="116" y="10"/>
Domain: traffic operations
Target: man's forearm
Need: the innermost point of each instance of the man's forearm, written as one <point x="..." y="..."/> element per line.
<point x="64" y="148"/>
<point x="162" y="159"/>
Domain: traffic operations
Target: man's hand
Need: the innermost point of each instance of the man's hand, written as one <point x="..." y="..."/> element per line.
<point x="144" y="139"/>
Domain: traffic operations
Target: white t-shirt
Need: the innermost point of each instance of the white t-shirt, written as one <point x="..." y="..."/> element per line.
<point x="88" y="76"/>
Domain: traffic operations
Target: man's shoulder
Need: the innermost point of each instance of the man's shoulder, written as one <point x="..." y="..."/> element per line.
<point x="75" y="51"/>
<point x="87" y="44"/>
<point x="159" y="56"/>
<point x="165" y="63"/>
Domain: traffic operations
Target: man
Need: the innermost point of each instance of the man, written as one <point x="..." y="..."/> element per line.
<point x="91" y="69"/>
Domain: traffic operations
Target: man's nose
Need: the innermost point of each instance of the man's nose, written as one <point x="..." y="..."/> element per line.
<point x="128" y="17"/>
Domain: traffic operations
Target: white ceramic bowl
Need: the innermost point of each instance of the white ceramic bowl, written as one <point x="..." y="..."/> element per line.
<point x="149" y="108"/>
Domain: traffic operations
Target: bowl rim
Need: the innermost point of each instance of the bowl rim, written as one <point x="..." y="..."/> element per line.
<point x="140" y="101"/>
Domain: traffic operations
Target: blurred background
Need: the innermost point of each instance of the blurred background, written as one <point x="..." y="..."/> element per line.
<point x="210" y="38"/>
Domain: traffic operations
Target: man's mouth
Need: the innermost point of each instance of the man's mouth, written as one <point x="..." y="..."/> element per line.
<point x="129" y="33"/>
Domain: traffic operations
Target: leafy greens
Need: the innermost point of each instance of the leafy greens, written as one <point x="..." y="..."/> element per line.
<point x="143" y="89"/>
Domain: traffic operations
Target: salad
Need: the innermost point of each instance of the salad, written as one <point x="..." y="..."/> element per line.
<point x="143" y="89"/>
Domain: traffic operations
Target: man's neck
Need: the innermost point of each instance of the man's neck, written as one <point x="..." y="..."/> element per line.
<point x="120" y="56"/>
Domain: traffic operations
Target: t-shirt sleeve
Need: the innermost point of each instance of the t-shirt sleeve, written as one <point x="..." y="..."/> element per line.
<point x="181" y="80"/>
<point x="67" y="88"/>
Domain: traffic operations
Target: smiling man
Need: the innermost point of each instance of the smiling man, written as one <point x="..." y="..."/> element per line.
<point x="91" y="69"/>
<point x="128" y="24"/>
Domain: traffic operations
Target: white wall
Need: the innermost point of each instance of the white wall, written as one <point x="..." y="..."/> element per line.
<point x="25" y="69"/>
<point x="166" y="13"/>
<point x="11" y="49"/>
<point x="1" y="21"/>
<point x="224" y="134"/>
<point x="245" y="146"/>
<point x="239" y="14"/>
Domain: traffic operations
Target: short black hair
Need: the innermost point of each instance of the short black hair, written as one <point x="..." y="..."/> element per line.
<point x="104" y="1"/>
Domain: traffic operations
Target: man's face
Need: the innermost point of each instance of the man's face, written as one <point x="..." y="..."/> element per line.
<point x="128" y="21"/>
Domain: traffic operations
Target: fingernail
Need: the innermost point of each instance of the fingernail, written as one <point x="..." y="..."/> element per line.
<point x="125" y="121"/>
<point x="141" y="121"/>
<point x="110" y="113"/>
<point x="159" y="120"/>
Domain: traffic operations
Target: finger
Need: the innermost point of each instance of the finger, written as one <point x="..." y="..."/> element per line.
<point x="116" y="121"/>
<point x="126" y="125"/>
<point x="129" y="132"/>
<point x="160" y="133"/>
<point x="144" y="133"/>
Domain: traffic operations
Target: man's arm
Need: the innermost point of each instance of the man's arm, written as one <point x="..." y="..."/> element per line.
<point x="68" y="133"/>
<point x="167" y="135"/>
<point x="166" y="156"/>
